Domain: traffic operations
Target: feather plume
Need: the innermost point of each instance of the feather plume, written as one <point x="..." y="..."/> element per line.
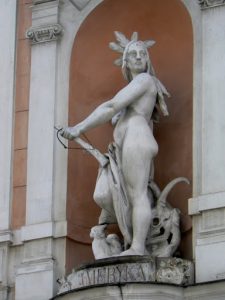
<point x="122" y="40"/>
<point x="116" y="47"/>
<point x="134" y="36"/>
<point x="118" y="62"/>
<point x="149" y="43"/>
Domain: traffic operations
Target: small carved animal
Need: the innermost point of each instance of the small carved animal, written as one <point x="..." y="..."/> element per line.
<point x="103" y="246"/>
<point x="115" y="245"/>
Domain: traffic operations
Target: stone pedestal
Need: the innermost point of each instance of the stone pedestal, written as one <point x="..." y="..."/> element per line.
<point x="129" y="269"/>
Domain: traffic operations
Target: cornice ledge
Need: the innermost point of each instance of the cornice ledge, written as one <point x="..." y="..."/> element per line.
<point x="36" y="2"/>
<point x="210" y="3"/>
<point x="5" y="236"/>
<point x="44" y="33"/>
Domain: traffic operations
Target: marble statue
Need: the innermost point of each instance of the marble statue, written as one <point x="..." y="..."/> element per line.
<point x="125" y="187"/>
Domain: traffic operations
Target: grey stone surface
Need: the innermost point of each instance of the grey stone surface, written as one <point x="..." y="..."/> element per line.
<point x="143" y="291"/>
<point x="123" y="270"/>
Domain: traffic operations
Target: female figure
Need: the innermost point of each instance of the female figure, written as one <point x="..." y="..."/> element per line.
<point x="133" y="135"/>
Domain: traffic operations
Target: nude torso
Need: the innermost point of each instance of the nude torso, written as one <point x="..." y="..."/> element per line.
<point x="140" y="111"/>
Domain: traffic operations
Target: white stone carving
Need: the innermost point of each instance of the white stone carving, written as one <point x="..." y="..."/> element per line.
<point x="175" y="270"/>
<point x="126" y="270"/>
<point x="44" y="33"/>
<point x="164" y="236"/>
<point x="210" y="3"/>
<point x="124" y="197"/>
<point x="164" y="233"/>
<point x="103" y="246"/>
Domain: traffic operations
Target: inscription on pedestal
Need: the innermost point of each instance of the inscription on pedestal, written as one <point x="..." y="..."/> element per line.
<point x="121" y="273"/>
<point x="129" y="270"/>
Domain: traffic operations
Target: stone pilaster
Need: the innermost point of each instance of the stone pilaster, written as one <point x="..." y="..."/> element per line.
<point x="36" y="275"/>
<point x="208" y="206"/>
<point x="8" y="9"/>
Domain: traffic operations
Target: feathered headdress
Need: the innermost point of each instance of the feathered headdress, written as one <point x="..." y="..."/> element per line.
<point x="122" y="44"/>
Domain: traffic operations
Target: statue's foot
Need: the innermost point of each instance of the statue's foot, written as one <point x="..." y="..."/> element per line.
<point x="131" y="251"/>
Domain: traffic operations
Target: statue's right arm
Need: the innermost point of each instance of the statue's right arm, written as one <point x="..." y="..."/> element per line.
<point x="104" y="112"/>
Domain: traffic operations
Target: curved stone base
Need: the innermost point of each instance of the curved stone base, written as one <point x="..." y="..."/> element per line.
<point x="126" y="292"/>
<point x="129" y="269"/>
<point x="147" y="291"/>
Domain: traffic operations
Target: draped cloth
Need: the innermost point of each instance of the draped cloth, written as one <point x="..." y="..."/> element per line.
<point x="114" y="203"/>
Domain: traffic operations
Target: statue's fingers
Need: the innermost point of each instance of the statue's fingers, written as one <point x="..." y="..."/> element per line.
<point x="62" y="132"/>
<point x="68" y="135"/>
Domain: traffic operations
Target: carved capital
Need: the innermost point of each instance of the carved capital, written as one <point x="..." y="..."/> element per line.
<point x="44" y="33"/>
<point x="210" y="3"/>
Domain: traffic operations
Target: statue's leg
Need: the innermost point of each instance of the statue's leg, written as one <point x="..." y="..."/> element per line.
<point x="139" y="148"/>
<point x="103" y="197"/>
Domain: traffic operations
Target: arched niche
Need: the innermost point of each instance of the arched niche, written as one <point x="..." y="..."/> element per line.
<point x="94" y="79"/>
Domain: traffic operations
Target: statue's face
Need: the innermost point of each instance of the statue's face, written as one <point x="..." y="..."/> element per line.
<point x="137" y="58"/>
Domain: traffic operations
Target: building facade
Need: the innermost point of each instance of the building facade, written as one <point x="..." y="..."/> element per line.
<point x="56" y="67"/>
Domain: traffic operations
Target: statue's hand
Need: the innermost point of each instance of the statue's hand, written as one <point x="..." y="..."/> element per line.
<point x="70" y="133"/>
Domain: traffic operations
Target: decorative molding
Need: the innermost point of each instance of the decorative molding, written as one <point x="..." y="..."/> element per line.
<point x="79" y="4"/>
<point x="206" y="202"/>
<point x="36" y="2"/>
<point x="41" y="265"/>
<point x="44" y="33"/>
<point x="44" y="230"/>
<point x="5" y="236"/>
<point x="210" y="3"/>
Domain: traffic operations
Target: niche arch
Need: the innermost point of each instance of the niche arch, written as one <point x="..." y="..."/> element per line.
<point x="94" y="79"/>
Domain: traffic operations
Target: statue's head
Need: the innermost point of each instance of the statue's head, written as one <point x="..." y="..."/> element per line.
<point x="135" y="57"/>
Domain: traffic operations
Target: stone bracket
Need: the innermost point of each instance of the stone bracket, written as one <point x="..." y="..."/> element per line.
<point x="210" y="3"/>
<point x="44" y="33"/>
